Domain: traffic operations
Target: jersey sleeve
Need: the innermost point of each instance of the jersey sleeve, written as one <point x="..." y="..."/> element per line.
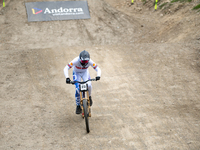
<point x="69" y="66"/>
<point x="95" y="67"/>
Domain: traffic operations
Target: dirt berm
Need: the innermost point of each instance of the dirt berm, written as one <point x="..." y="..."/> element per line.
<point x="148" y="96"/>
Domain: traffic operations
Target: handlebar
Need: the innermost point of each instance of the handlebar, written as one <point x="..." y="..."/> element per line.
<point x="73" y="82"/>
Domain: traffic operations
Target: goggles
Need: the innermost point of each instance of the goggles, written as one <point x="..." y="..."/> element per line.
<point x="84" y="61"/>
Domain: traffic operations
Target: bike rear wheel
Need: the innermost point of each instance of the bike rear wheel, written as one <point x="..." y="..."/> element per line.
<point x="85" y="107"/>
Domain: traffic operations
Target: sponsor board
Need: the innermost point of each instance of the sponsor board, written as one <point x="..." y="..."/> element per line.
<point x="61" y="10"/>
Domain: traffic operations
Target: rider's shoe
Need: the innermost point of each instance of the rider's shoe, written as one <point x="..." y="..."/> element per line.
<point x="78" y="109"/>
<point x="90" y="100"/>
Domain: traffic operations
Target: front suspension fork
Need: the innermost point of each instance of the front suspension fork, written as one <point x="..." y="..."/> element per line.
<point x="88" y="103"/>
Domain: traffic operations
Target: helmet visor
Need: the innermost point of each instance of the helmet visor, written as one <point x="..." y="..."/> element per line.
<point x="84" y="61"/>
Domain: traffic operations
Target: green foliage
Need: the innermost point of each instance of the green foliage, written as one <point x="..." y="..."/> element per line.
<point x="196" y="7"/>
<point x="168" y="4"/>
<point x="180" y="1"/>
<point x="162" y="5"/>
<point x="144" y="1"/>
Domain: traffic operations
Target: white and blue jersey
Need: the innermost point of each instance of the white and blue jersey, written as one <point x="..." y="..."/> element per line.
<point x="81" y="72"/>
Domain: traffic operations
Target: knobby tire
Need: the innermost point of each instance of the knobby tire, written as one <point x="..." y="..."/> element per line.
<point x="85" y="107"/>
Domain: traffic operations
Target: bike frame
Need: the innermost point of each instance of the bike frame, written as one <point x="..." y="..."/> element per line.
<point x="82" y="92"/>
<point x="88" y="101"/>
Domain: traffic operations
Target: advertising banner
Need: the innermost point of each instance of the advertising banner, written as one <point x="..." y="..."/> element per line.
<point x="60" y="10"/>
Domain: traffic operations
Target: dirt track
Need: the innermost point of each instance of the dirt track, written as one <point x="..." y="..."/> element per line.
<point x="148" y="95"/>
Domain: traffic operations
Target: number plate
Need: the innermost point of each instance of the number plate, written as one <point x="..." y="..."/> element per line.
<point x="83" y="87"/>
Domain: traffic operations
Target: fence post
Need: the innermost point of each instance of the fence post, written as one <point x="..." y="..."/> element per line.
<point x="3" y="3"/>
<point x="132" y="2"/>
<point x="156" y="4"/>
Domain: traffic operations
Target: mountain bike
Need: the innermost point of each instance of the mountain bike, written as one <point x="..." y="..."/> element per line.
<point x="84" y="101"/>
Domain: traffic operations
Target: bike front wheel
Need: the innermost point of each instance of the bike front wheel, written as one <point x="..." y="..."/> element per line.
<point x="85" y="107"/>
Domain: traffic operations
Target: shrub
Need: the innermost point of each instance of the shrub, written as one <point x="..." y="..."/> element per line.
<point x="196" y="7"/>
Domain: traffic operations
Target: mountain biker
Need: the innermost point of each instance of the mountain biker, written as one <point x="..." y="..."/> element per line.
<point x="80" y="70"/>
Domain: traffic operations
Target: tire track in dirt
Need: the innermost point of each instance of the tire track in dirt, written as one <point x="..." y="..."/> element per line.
<point x="147" y="98"/>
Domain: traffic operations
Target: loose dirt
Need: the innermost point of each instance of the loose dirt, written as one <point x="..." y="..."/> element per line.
<point x="148" y="95"/>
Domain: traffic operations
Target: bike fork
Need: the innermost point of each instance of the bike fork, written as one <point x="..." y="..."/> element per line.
<point x="82" y="96"/>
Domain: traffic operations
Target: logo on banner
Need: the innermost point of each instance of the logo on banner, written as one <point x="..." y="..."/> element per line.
<point x="61" y="10"/>
<point x="36" y="11"/>
<point x="64" y="11"/>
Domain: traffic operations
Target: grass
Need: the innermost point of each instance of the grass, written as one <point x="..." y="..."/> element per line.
<point x="196" y="7"/>
<point x="168" y="4"/>
<point x="173" y="1"/>
<point x="180" y="1"/>
<point x="144" y="2"/>
<point x="162" y="5"/>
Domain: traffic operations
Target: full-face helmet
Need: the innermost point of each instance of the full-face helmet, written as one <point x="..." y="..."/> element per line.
<point x="84" y="58"/>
